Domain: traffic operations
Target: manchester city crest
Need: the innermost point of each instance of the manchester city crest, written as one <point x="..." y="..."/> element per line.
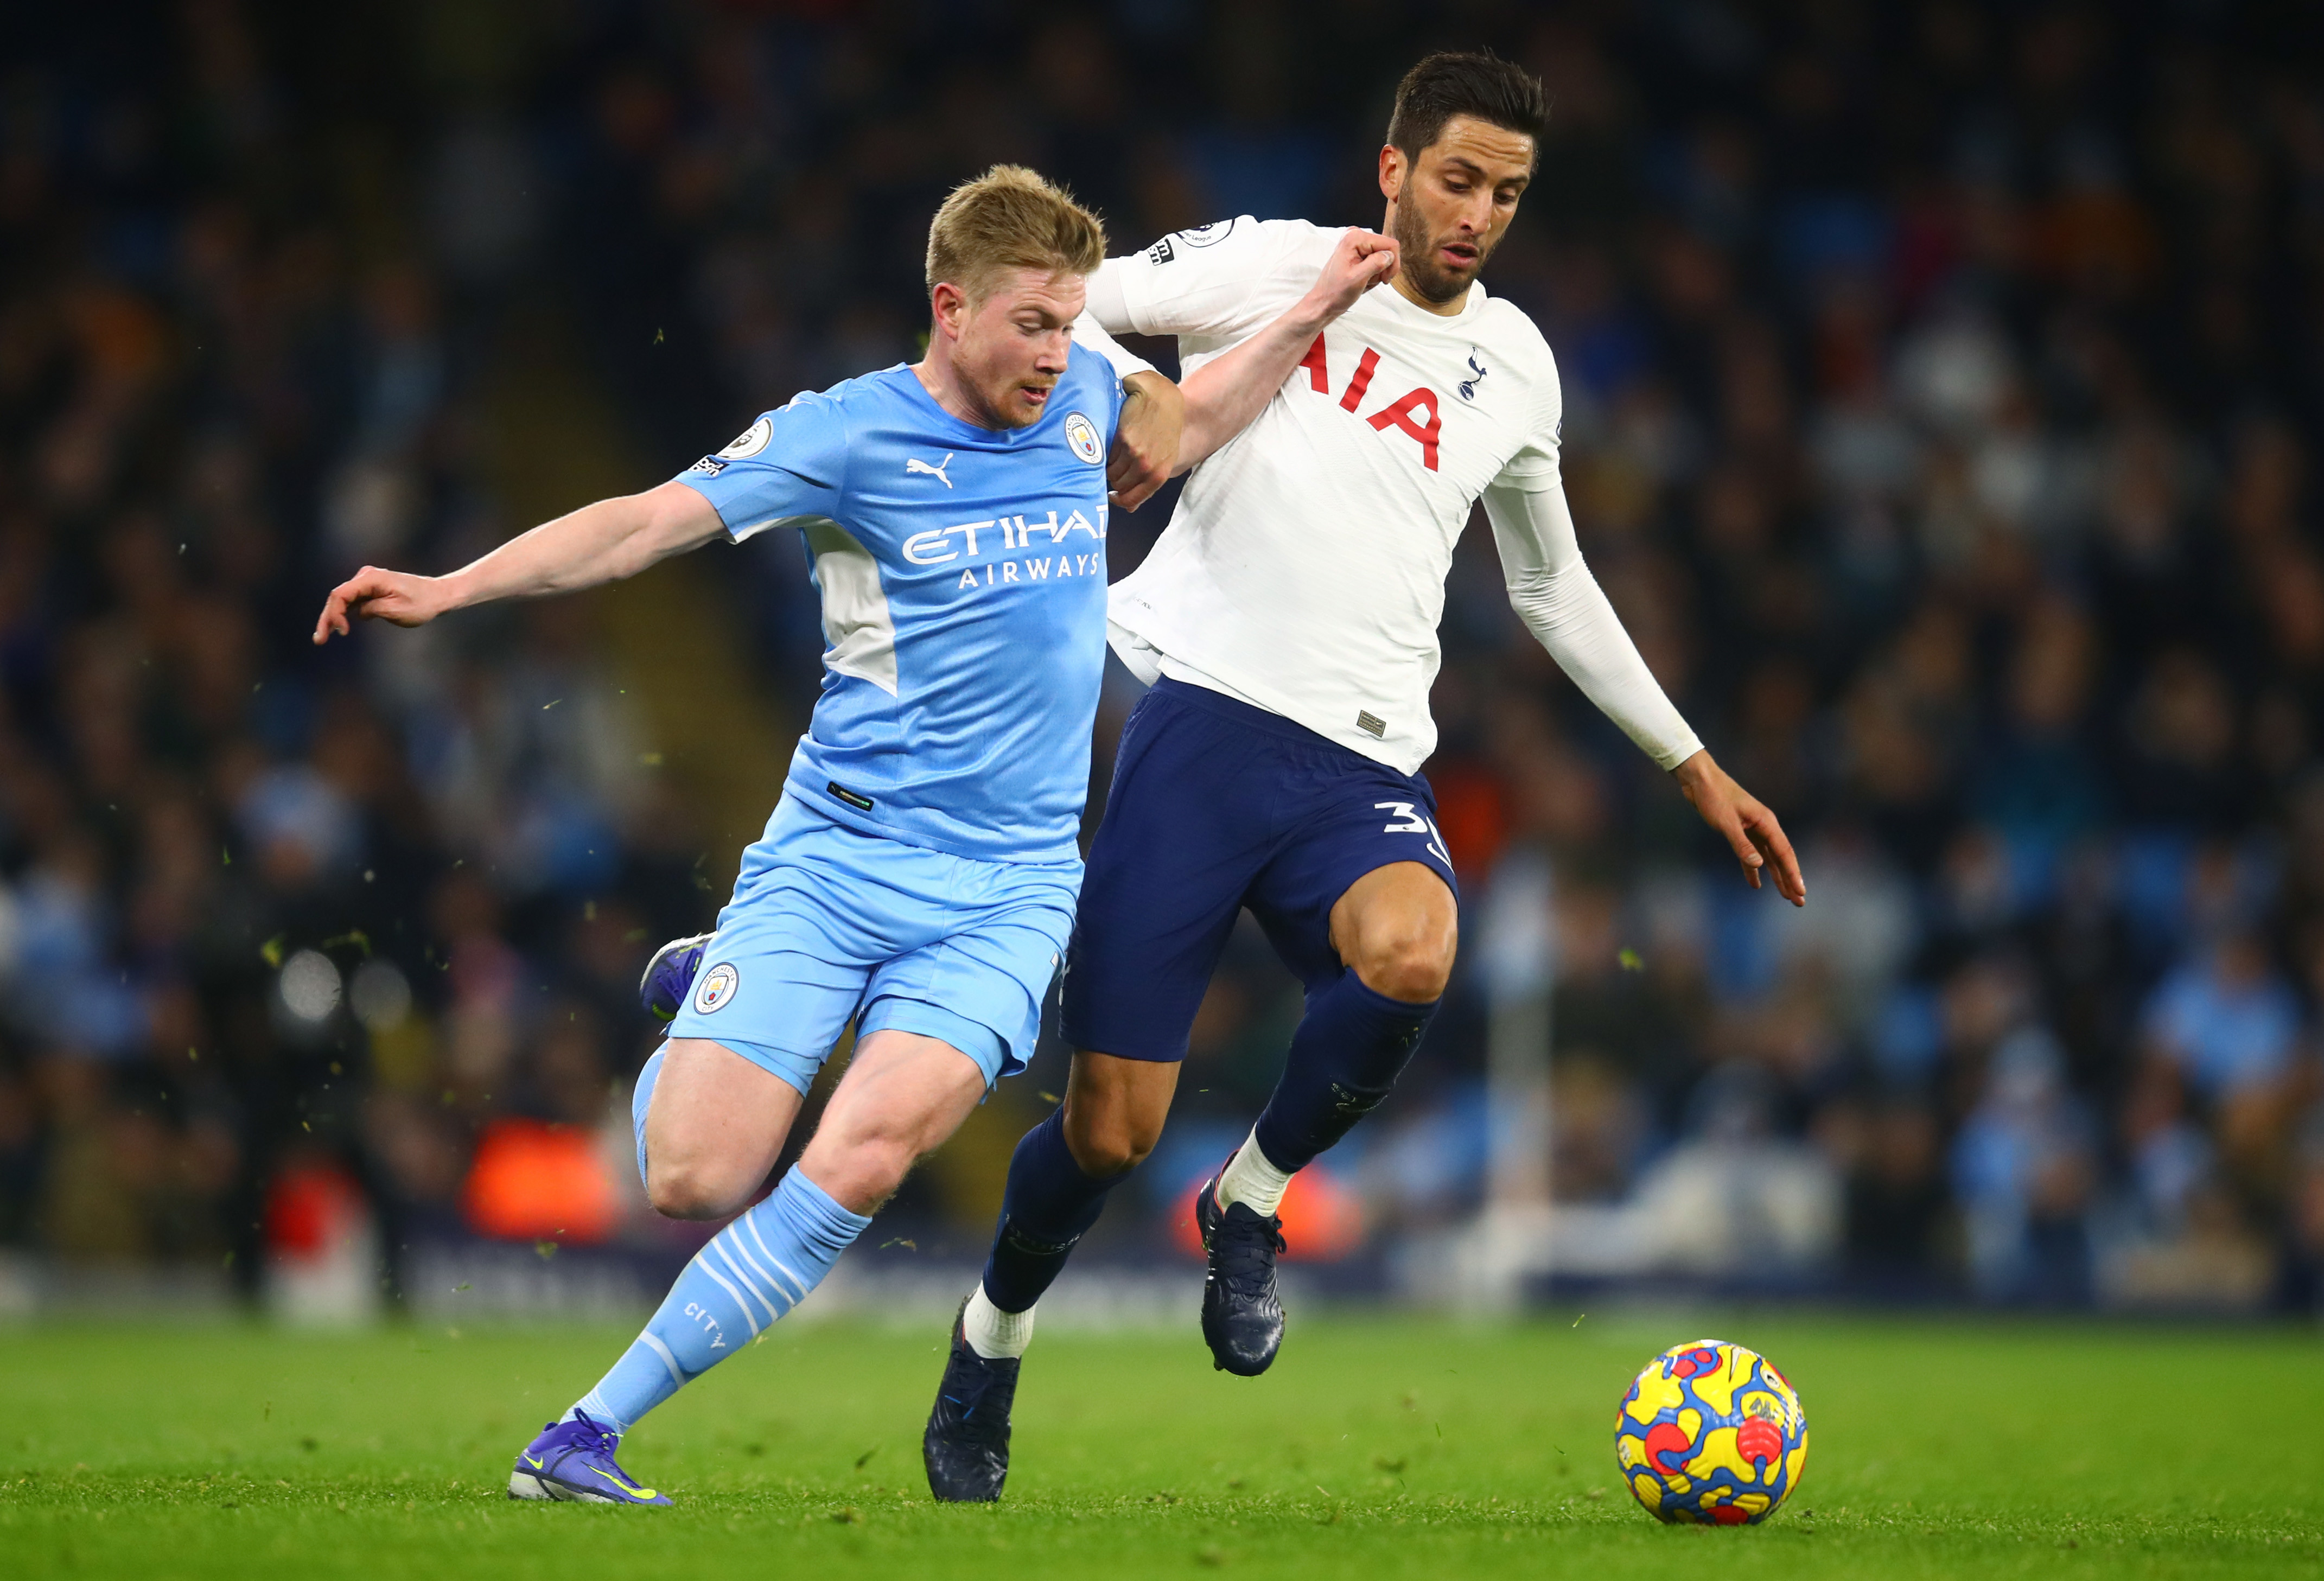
<point x="717" y="987"/>
<point x="1082" y="434"/>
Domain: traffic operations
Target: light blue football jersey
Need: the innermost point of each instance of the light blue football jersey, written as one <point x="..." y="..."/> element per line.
<point x="963" y="576"/>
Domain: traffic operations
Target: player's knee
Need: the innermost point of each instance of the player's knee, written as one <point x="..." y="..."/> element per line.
<point x="865" y="1173"/>
<point x="1110" y="1153"/>
<point x="1410" y="968"/>
<point x="681" y="1191"/>
<point x="1110" y="1145"/>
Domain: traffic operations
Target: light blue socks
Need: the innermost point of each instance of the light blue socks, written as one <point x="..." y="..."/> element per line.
<point x="753" y="1272"/>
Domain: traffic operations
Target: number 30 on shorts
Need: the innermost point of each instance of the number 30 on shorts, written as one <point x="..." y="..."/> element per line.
<point x="1409" y="821"/>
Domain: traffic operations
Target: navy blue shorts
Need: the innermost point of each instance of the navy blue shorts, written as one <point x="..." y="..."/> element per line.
<point x="1217" y="805"/>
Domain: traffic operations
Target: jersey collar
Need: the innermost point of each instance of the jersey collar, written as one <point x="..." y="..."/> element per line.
<point x="1470" y="309"/>
<point x="967" y="432"/>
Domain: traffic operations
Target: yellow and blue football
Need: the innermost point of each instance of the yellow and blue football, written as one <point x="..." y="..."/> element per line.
<point x="1713" y="1433"/>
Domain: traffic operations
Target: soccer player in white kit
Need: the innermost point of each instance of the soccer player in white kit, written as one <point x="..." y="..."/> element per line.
<point x="1287" y="619"/>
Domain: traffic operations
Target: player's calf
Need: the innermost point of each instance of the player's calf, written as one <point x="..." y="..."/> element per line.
<point x="1059" y="1178"/>
<point x="1344" y="1059"/>
<point x="750" y="1276"/>
<point x="903" y="1096"/>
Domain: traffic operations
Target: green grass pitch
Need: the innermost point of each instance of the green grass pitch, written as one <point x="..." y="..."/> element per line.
<point x="1374" y="1449"/>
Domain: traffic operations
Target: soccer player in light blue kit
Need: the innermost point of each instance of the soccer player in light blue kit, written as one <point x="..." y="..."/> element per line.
<point x="920" y="875"/>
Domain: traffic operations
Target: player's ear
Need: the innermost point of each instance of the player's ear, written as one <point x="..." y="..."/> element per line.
<point x="948" y="304"/>
<point x="1391" y="170"/>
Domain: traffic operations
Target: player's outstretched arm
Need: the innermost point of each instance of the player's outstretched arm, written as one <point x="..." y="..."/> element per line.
<point x="602" y="542"/>
<point x="1224" y="395"/>
<point x="1552" y="590"/>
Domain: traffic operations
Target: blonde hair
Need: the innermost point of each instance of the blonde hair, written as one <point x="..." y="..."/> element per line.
<point x="1009" y="218"/>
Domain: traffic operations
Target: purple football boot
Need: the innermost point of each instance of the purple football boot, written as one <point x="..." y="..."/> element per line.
<point x="670" y="973"/>
<point x="573" y="1462"/>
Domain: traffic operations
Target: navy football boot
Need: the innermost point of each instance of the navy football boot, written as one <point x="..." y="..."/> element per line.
<point x="1242" y="1315"/>
<point x="966" y="1444"/>
<point x="669" y="974"/>
<point x="573" y="1462"/>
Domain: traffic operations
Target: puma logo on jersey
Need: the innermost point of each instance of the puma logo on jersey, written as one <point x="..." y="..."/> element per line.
<point x="913" y="463"/>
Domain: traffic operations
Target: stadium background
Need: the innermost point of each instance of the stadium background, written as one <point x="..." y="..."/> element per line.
<point x="1942" y="387"/>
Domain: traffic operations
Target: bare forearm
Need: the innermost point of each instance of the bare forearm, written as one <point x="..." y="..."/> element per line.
<point x="1224" y="395"/>
<point x="599" y="543"/>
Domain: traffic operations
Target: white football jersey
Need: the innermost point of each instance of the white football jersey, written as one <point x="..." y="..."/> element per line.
<point x="1304" y="570"/>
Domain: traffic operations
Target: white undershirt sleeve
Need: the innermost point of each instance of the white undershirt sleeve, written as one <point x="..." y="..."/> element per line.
<point x="1108" y="302"/>
<point x="1552" y="592"/>
<point x="1089" y="330"/>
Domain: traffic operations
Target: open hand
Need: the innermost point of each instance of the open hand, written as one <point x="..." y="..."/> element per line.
<point x="1751" y="829"/>
<point x="373" y="594"/>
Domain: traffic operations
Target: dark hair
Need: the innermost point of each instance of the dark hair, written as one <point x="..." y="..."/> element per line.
<point x="1464" y="83"/>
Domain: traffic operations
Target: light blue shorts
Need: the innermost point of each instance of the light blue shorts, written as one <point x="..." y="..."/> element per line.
<point x="829" y="925"/>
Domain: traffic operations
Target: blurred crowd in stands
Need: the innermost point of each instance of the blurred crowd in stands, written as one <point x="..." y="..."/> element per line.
<point x="1943" y="385"/>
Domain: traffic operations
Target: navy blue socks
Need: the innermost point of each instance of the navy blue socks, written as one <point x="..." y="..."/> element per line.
<point x="1049" y="1205"/>
<point x="1347" y="1053"/>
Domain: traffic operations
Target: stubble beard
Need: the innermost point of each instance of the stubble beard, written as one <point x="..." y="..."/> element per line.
<point x="1415" y="248"/>
<point x="1000" y="402"/>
